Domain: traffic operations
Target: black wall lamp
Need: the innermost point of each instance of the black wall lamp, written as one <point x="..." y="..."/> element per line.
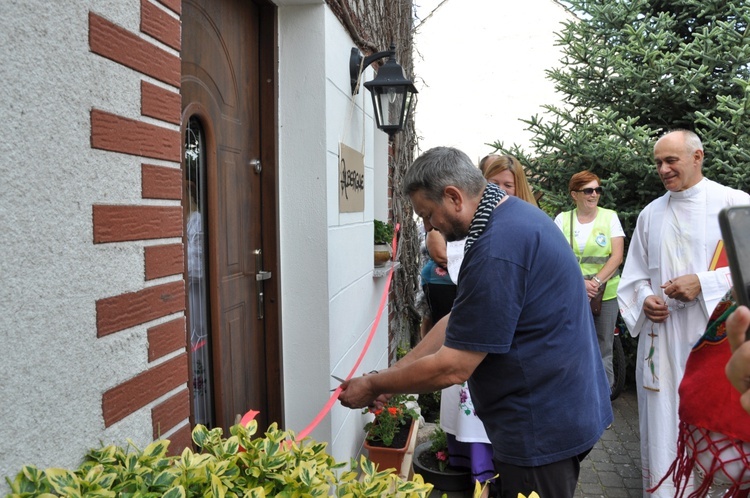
<point x="391" y="91"/>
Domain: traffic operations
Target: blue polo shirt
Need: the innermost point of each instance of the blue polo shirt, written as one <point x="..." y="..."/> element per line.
<point x="541" y="391"/>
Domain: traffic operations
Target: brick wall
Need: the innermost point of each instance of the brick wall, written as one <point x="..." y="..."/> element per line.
<point x="159" y="100"/>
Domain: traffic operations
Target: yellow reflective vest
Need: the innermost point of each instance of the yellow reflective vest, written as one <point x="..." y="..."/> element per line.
<point x="597" y="250"/>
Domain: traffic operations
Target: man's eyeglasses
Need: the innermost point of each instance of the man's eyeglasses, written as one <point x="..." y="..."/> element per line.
<point x="589" y="191"/>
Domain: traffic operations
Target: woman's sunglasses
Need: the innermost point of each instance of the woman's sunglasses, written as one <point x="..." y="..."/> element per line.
<point x="589" y="191"/>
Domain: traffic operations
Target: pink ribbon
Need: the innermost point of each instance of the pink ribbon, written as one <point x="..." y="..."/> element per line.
<point x="250" y="415"/>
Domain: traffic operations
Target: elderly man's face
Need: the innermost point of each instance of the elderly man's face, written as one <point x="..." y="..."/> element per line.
<point x="441" y="216"/>
<point x="679" y="168"/>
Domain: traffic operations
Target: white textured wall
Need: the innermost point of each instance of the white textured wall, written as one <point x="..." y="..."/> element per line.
<point x="54" y="369"/>
<point x="302" y="211"/>
<point x="329" y="296"/>
<point x="480" y="66"/>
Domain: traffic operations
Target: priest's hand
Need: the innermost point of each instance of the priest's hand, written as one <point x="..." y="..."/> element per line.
<point x="738" y="367"/>
<point x="655" y="309"/>
<point x="685" y="288"/>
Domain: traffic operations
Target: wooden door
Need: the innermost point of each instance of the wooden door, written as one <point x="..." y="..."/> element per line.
<point x="221" y="67"/>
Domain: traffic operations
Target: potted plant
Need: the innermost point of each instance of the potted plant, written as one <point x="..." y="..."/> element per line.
<point x="382" y="238"/>
<point x="431" y="462"/>
<point x="389" y="433"/>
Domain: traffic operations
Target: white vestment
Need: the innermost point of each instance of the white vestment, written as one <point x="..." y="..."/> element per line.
<point x="675" y="235"/>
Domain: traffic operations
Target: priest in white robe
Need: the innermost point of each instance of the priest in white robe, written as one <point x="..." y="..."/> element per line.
<point x="667" y="291"/>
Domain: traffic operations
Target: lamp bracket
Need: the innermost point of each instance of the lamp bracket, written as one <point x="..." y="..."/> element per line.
<point x="356" y="65"/>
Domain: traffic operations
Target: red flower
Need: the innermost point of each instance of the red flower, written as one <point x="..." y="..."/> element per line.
<point x="393" y="410"/>
<point x="378" y="412"/>
<point x="441" y="455"/>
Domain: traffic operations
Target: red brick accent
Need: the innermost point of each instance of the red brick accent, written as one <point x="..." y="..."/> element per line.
<point x="169" y="413"/>
<point x="127" y="310"/>
<point x="121" y="223"/>
<point x="160" y="25"/>
<point x="120" y="45"/>
<point x="164" y="260"/>
<point x="159" y="103"/>
<point x="135" y="393"/>
<point x="181" y="439"/>
<point x="160" y="182"/>
<point x="166" y="338"/>
<point x="118" y="134"/>
<point x="173" y="5"/>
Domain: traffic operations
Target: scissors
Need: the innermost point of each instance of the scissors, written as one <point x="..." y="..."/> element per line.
<point x="338" y="379"/>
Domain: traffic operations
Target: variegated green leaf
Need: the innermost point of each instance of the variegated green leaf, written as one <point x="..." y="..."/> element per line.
<point x="156" y="449"/>
<point x="258" y="492"/>
<point x="131" y="463"/>
<point x="307" y="473"/>
<point x="232" y="445"/>
<point x="164" y="479"/>
<point x="217" y="488"/>
<point x="63" y="481"/>
<point x="200" y="435"/>
<point x="176" y="492"/>
<point x="32" y="473"/>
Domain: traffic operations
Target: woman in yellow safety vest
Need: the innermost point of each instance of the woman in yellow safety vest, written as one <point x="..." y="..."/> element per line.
<point x="597" y="239"/>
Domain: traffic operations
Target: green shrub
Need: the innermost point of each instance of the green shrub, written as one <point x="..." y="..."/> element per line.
<point x="238" y="466"/>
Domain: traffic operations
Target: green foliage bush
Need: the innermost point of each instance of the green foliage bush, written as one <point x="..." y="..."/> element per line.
<point x="238" y="466"/>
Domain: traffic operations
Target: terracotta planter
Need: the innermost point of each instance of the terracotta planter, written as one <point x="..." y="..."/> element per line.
<point x="451" y="479"/>
<point x="389" y="457"/>
<point x="382" y="254"/>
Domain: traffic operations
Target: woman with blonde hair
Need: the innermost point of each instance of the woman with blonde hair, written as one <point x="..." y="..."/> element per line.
<point x="508" y="174"/>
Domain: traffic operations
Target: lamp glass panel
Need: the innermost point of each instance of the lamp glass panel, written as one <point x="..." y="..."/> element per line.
<point x="392" y="104"/>
<point x="377" y="107"/>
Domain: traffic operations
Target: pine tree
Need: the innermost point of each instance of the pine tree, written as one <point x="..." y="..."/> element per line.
<point x="631" y="70"/>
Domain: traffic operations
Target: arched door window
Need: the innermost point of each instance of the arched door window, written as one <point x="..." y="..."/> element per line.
<point x="199" y="325"/>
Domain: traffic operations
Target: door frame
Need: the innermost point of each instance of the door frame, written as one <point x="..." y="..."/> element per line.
<point x="269" y="98"/>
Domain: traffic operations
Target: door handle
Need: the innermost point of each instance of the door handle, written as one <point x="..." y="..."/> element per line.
<point x="257" y="167"/>
<point x="260" y="276"/>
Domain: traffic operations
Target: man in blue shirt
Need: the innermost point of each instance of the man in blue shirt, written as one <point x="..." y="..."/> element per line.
<point x="520" y="331"/>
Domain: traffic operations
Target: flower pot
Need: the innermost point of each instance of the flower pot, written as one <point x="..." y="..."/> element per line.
<point x="451" y="479"/>
<point x="382" y="254"/>
<point x="389" y="457"/>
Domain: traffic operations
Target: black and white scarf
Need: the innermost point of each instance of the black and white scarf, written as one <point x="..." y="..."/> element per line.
<point x="491" y="196"/>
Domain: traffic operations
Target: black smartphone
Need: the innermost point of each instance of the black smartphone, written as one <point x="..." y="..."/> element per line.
<point x="735" y="231"/>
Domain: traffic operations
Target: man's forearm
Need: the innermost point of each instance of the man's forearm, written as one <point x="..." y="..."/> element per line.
<point x="420" y="376"/>
<point x="428" y="373"/>
<point x="429" y="344"/>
